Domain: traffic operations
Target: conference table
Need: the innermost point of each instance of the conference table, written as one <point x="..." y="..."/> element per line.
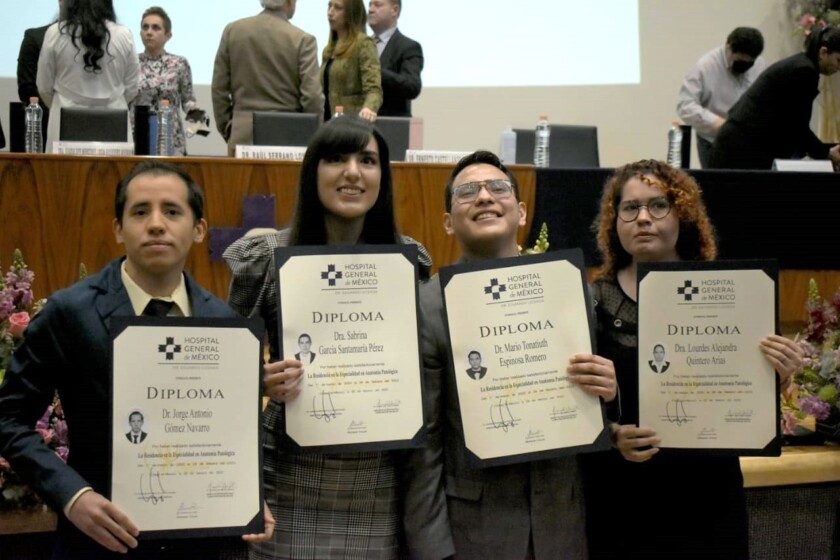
<point x="59" y="211"/>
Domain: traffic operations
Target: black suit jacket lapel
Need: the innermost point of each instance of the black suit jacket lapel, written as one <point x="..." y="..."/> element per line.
<point x="393" y="46"/>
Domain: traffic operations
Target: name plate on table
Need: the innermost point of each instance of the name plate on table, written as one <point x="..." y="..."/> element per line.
<point x="280" y="153"/>
<point x="434" y="156"/>
<point x="803" y="165"/>
<point x="78" y="148"/>
<point x="703" y="382"/>
<point x="185" y="451"/>
<point x="350" y="315"/>
<point x="513" y="325"/>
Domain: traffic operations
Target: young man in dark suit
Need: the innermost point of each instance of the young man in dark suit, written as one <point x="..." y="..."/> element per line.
<point x="525" y="510"/>
<point x="158" y="217"/>
<point x="400" y="58"/>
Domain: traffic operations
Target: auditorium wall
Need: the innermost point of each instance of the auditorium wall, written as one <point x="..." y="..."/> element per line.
<point x="632" y="120"/>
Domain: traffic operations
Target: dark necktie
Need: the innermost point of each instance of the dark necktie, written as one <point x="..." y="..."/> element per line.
<point x="158" y="308"/>
<point x="135" y="437"/>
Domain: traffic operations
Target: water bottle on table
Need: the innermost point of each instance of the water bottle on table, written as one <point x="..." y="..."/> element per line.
<point x="675" y="137"/>
<point x="541" y="138"/>
<point x="166" y="129"/>
<point x="34" y="141"/>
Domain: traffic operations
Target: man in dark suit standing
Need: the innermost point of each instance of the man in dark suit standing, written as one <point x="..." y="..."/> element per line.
<point x="401" y="59"/>
<point x="525" y="510"/>
<point x="136" y="433"/>
<point x="158" y="217"/>
<point x="27" y="70"/>
<point x="476" y="370"/>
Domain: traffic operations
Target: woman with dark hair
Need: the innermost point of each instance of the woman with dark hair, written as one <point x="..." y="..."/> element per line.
<point x="350" y="71"/>
<point x="164" y="75"/>
<point x="87" y="61"/>
<point x="326" y="505"/>
<point x="773" y="118"/>
<point x="695" y="507"/>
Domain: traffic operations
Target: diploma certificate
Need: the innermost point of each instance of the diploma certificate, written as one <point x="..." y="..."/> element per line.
<point x="513" y="325"/>
<point x="349" y="314"/>
<point x="185" y="451"/>
<point x="703" y="382"/>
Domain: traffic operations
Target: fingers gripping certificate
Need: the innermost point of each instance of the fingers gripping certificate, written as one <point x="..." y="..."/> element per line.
<point x="350" y="316"/>
<point x="703" y="382"/>
<point x="513" y="325"/>
<point x="185" y="425"/>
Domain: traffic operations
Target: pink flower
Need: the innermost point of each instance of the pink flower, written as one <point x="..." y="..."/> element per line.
<point x="789" y="423"/>
<point x="62" y="452"/>
<point x="807" y="20"/>
<point x="18" y="323"/>
<point x="4" y="465"/>
<point x="46" y="435"/>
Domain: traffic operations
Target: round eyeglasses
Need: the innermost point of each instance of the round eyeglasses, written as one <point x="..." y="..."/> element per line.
<point x="468" y="192"/>
<point x="658" y="208"/>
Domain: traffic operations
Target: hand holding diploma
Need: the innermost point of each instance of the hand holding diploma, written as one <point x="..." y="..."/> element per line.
<point x="269" y="528"/>
<point x="786" y="356"/>
<point x="281" y="380"/>
<point x="104" y="522"/>
<point x="630" y="441"/>
<point x="594" y="374"/>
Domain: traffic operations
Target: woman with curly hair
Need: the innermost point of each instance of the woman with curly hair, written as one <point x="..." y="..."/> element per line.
<point x="350" y="71"/>
<point x="653" y="212"/>
<point x="87" y="61"/>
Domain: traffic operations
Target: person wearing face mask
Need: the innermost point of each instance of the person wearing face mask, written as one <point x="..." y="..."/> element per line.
<point x="772" y="120"/>
<point x="716" y="82"/>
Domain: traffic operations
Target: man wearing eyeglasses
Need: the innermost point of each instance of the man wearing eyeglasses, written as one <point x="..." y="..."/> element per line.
<point x="527" y="510"/>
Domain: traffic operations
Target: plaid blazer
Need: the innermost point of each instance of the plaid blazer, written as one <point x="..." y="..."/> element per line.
<point x="326" y="505"/>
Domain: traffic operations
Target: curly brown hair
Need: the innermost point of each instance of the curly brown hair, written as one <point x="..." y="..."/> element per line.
<point x="696" y="240"/>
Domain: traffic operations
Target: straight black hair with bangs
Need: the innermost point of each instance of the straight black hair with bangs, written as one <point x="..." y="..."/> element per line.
<point x="343" y="135"/>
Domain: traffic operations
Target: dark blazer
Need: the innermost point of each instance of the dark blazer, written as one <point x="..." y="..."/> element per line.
<point x="311" y="356"/>
<point x="401" y="62"/>
<point x="493" y="512"/>
<point x="67" y="348"/>
<point x="142" y="436"/>
<point x="482" y="371"/>
<point x="665" y="366"/>
<point x="772" y="119"/>
<point x="27" y="70"/>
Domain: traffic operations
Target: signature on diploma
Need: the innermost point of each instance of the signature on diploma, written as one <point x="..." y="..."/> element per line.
<point x="386" y="407"/>
<point x="675" y="412"/>
<point x="221" y="489"/>
<point x="323" y="408"/>
<point x="739" y="415"/>
<point x="501" y="416"/>
<point x="187" y="511"/>
<point x="564" y="413"/>
<point x="151" y="487"/>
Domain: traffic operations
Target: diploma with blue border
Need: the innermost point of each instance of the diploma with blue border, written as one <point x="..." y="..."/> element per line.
<point x="513" y="324"/>
<point x="185" y="421"/>
<point x="704" y="384"/>
<point x="349" y="314"/>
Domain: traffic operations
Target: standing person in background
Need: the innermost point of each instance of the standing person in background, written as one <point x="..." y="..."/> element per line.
<point x="27" y="69"/>
<point x="400" y="58"/>
<point x="164" y="75"/>
<point x="773" y="118"/>
<point x="264" y="63"/>
<point x="350" y="72"/>
<point x="87" y="61"/>
<point x="651" y="212"/>
<point x="716" y="82"/>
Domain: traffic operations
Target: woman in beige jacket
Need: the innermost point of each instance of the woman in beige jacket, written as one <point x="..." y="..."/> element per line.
<point x="350" y="73"/>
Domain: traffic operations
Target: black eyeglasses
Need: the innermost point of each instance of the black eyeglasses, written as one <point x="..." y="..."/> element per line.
<point x="658" y="208"/>
<point x="468" y="192"/>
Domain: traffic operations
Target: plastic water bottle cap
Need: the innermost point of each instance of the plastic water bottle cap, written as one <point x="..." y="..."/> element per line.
<point x="543" y="117"/>
<point x="33" y="100"/>
<point x="164" y="103"/>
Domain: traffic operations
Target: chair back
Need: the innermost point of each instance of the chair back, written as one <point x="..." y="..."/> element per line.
<point x="83" y="124"/>
<point x="276" y="128"/>
<point x="569" y="146"/>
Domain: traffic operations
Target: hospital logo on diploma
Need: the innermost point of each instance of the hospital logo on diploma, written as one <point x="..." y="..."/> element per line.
<point x="350" y="276"/>
<point x="170" y="348"/>
<point x="711" y="291"/>
<point x="515" y="287"/>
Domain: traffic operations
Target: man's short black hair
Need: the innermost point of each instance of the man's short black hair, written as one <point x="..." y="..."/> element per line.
<point x="746" y="40"/>
<point x="476" y="352"/>
<point x="480" y="156"/>
<point x="138" y="413"/>
<point x="195" y="196"/>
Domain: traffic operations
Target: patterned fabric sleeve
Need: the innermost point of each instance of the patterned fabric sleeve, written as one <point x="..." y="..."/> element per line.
<point x="185" y="86"/>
